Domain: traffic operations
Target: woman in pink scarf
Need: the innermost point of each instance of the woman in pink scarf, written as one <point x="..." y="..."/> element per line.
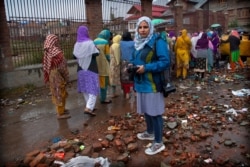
<point x="234" y="41"/>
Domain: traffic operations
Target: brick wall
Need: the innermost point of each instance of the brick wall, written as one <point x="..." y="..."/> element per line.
<point x="5" y="54"/>
<point x="94" y="17"/>
<point x="146" y="6"/>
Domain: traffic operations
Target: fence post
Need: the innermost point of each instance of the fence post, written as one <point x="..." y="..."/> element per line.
<point x="94" y="17"/>
<point x="6" y="63"/>
<point x="200" y="17"/>
<point x="146" y="8"/>
<point x="178" y="17"/>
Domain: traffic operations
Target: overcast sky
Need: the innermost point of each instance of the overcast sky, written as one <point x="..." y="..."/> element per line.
<point x="65" y="9"/>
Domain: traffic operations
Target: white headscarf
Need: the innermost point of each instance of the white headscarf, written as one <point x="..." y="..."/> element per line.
<point x="139" y="41"/>
<point x="83" y="52"/>
<point x="194" y="42"/>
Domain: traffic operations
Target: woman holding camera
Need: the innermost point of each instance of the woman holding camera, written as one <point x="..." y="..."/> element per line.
<point x="151" y="57"/>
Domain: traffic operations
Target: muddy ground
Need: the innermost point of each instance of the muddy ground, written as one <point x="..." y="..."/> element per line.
<point x="216" y="133"/>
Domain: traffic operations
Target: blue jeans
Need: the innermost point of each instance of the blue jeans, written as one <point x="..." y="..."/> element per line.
<point x="155" y="125"/>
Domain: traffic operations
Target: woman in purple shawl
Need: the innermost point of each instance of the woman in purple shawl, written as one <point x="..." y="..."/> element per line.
<point x="202" y="54"/>
<point x="216" y="41"/>
<point x="87" y="73"/>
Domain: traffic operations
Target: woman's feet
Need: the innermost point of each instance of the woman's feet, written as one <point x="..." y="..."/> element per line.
<point x="63" y="116"/>
<point x="114" y="96"/>
<point x="106" y="102"/>
<point x="127" y="96"/>
<point x="89" y="112"/>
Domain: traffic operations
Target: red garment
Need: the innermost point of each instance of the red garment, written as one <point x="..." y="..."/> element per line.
<point x="53" y="55"/>
<point x="126" y="87"/>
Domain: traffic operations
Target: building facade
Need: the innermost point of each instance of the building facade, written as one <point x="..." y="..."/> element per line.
<point x="196" y="15"/>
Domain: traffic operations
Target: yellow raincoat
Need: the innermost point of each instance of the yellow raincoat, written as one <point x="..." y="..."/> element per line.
<point x="182" y="49"/>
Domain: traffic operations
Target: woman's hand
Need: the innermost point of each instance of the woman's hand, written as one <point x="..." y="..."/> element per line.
<point x="141" y="69"/>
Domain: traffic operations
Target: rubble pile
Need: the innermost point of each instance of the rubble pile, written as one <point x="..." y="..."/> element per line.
<point x="205" y="124"/>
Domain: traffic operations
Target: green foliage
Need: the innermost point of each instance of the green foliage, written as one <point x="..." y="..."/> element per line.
<point x="7" y="93"/>
<point x="27" y="52"/>
<point x="233" y="23"/>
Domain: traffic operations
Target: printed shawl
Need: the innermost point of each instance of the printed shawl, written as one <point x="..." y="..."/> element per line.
<point x="51" y="53"/>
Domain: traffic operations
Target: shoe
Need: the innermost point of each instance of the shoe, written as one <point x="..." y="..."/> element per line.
<point x="66" y="111"/>
<point x="155" y="148"/>
<point x="114" y="96"/>
<point x="90" y="113"/>
<point x="106" y="102"/>
<point x="63" y="116"/>
<point x="145" y="136"/>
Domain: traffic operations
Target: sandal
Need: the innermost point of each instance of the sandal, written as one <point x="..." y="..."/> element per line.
<point x="63" y="116"/>
<point x="114" y="96"/>
<point x="106" y="102"/>
<point x="90" y="113"/>
<point x="87" y="111"/>
<point x="66" y="111"/>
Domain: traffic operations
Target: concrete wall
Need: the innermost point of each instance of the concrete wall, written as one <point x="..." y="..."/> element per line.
<point x="31" y="75"/>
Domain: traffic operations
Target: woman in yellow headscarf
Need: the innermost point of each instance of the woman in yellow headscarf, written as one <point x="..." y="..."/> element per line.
<point x="115" y="58"/>
<point x="182" y="49"/>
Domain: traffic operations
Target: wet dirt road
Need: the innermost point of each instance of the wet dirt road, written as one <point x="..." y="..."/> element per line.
<point x="28" y="122"/>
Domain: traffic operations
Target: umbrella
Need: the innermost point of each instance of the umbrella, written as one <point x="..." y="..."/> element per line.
<point x="215" y="25"/>
<point x="240" y="29"/>
<point x="157" y="21"/>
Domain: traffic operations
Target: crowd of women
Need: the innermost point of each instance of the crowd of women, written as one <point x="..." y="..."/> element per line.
<point x="104" y="63"/>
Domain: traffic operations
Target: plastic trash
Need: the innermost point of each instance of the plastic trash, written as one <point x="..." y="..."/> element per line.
<point x="232" y="111"/>
<point x="59" y="155"/>
<point x="58" y="162"/>
<point x="128" y="115"/>
<point x="82" y="147"/>
<point x="209" y="160"/>
<point x="238" y="76"/>
<point x="184" y="124"/>
<point x="85" y="161"/>
<point x="56" y="139"/>
<point x="242" y="92"/>
<point x="198" y="88"/>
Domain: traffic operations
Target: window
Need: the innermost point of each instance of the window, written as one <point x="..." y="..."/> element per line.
<point x="186" y="21"/>
<point x="132" y="26"/>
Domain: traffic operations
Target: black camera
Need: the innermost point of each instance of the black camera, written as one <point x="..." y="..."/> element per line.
<point x="132" y="69"/>
<point x="132" y="72"/>
<point x="168" y="88"/>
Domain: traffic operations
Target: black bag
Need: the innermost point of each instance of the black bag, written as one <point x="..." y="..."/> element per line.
<point x="167" y="85"/>
<point x="168" y="88"/>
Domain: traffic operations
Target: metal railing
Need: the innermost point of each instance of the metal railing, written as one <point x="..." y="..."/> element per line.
<point x="30" y="21"/>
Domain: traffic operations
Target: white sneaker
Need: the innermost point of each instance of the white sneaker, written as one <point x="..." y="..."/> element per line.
<point x="145" y="136"/>
<point x="155" y="148"/>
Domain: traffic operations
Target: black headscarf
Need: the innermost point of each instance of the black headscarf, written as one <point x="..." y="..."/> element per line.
<point x="126" y="36"/>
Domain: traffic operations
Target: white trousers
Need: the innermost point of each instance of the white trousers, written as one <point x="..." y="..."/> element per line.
<point x="90" y="100"/>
